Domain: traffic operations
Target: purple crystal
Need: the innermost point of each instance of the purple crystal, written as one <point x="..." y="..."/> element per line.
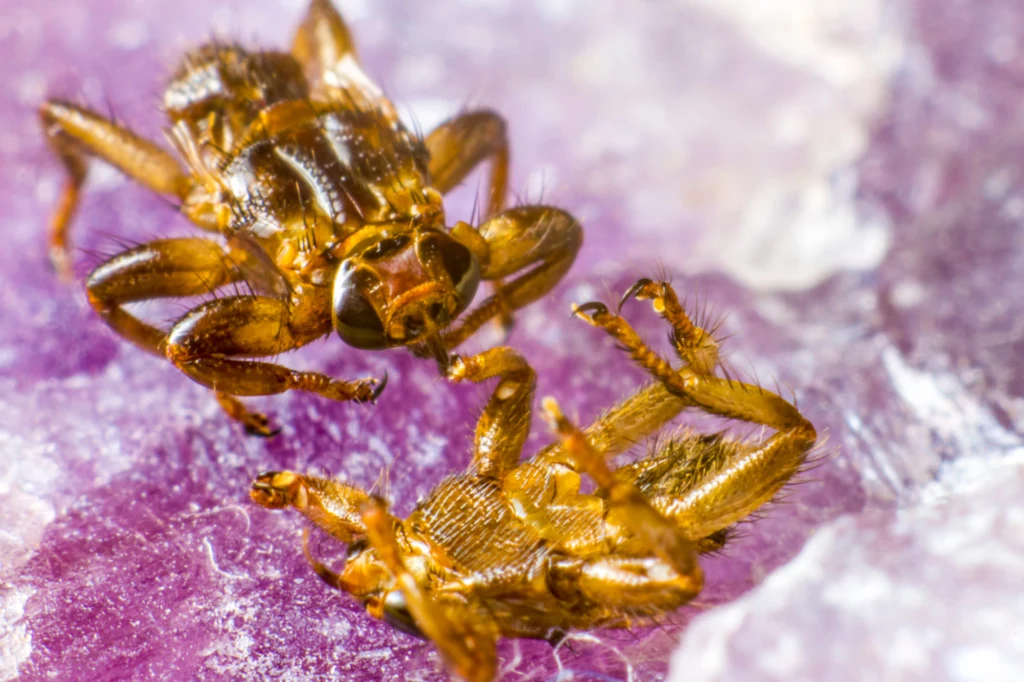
<point x="844" y="180"/>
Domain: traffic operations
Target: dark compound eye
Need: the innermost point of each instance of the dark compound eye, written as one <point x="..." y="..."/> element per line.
<point x="457" y="261"/>
<point x="396" y="614"/>
<point x="355" y="318"/>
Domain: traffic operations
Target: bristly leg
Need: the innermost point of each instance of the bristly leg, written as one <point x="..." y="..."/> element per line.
<point x="75" y="133"/>
<point x="625" y="502"/>
<point x="212" y="344"/>
<point x="504" y="424"/>
<point x="334" y="507"/>
<point x="530" y="246"/>
<point x="695" y="346"/>
<point x="734" y="478"/>
<point x="456" y="147"/>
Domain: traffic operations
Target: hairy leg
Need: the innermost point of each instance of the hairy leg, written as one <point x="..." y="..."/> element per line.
<point x="505" y="423"/>
<point x="456" y="147"/>
<point x="206" y="343"/>
<point x="76" y="134"/>
<point x="334" y="507"/>
<point x="322" y="39"/>
<point x="721" y="481"/>
<point x="534" y="246"/>
<point x="460" y="144"/>
<point x="622" y="427"/>
<point x="695" y="346"/>
<point x="619" y="587"/>
<point x="158" y="269"/>
<point x="626" y="506"/>
<point x="726" y="398"/>
<point x="650" y="408"/>
<point x="724" y="481"/>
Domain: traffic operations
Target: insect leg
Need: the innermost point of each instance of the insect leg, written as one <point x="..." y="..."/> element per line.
<point x="456" y="147"/>
<point x="76" y="133"/>
<point x="724" y="481"/>
<point x="735" y="479"/>
<point x="158" y="269"/>
<point x="650" y="408"/>
<point x="205" y="343"/>
<point x="623" y="426"/>
<point x="322" y="39"/>
<point x="536" y="245"/>
<point x="466" y="637"/>
<point x="624" y="586"/>
<point x="695" y="346"/>
<point x="461" y="143"/>
<point x="626" y="505"/>
<point x="726" y="398"/>
<point x="505" y="423"/>
<point x="333" y="506"/>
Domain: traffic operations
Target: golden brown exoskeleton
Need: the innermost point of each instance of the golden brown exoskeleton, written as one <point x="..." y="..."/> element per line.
<point x="512" y="548"/>
<point x="328" y="208"/>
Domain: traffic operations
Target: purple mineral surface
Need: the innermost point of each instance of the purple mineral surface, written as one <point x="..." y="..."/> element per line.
<point x="843" y="180"/>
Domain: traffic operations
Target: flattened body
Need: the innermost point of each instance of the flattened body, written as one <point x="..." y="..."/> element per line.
<point x="514" y="545"/>
<point x="302" y="168"/>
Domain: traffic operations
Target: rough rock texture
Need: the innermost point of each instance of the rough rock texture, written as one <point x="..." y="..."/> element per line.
<point x="843" y="179"/>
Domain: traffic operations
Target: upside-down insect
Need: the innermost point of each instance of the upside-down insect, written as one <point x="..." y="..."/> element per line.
<point x="329" y="208"/>
<point x="512" y="548"/>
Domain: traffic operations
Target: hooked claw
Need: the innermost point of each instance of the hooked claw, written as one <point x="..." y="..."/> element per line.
<point x="379" y="388"/>
<point x="588" y="311"/>
<point x="635" y="291"/>
<point x="261" y="433"/>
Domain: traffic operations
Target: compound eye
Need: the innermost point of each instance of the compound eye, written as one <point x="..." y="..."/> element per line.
<point x="458" y="262"/>
<point x="355" y="318"/>
<point x="396" y="614"/>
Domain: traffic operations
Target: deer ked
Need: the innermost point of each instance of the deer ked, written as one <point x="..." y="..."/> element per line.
<point x="323" y="203"/>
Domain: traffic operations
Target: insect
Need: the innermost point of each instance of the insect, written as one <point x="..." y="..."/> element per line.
<point x="513" y="548"/>
<point x="320" y="201"/>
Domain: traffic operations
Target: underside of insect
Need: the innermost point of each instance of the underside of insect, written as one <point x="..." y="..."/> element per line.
<point x="513" y="548"/>
<point x="322" y="203"/>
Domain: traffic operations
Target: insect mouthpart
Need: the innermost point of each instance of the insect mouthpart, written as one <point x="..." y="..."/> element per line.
<point x="422" y="312"/>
